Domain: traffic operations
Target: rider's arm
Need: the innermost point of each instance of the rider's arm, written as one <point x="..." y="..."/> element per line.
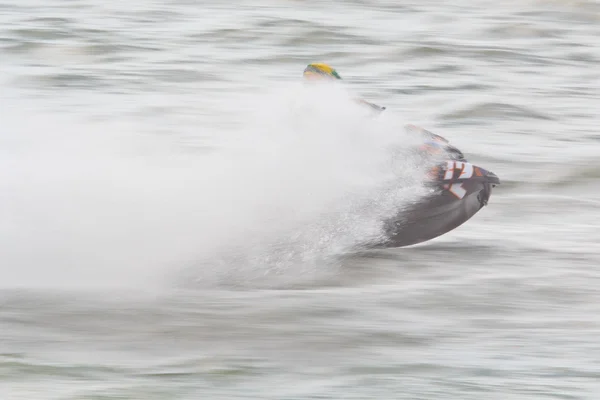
<point x="373" y="106"/>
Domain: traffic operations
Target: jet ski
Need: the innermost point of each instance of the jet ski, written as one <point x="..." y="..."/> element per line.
<point x="459" y="190"/>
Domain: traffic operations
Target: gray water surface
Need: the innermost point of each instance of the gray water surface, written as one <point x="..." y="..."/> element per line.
<point x="138" y="262"/>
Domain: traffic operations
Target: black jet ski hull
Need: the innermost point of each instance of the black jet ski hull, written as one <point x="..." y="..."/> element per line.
<point x="460" y="190"/>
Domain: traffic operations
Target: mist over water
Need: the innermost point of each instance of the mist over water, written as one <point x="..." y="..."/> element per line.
<point x="302" y="174"/>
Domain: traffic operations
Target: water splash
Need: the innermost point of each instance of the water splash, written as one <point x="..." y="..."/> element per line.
<point x="296" y="177"/>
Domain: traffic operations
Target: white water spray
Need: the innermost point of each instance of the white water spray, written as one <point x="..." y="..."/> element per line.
<point x="299" y="176"/>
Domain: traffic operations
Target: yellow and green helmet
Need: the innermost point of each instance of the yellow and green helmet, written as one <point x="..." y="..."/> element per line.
<point x="319" y="70"/>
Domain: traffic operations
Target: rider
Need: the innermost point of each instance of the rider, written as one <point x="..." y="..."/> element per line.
<point x="433" y="144"/>
<point x="323" y="71"/>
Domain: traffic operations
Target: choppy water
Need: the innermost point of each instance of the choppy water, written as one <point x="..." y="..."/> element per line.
<point x="172" y="229"/>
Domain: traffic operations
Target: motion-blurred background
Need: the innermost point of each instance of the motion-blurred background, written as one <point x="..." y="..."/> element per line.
<point x="178" y="213"/>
